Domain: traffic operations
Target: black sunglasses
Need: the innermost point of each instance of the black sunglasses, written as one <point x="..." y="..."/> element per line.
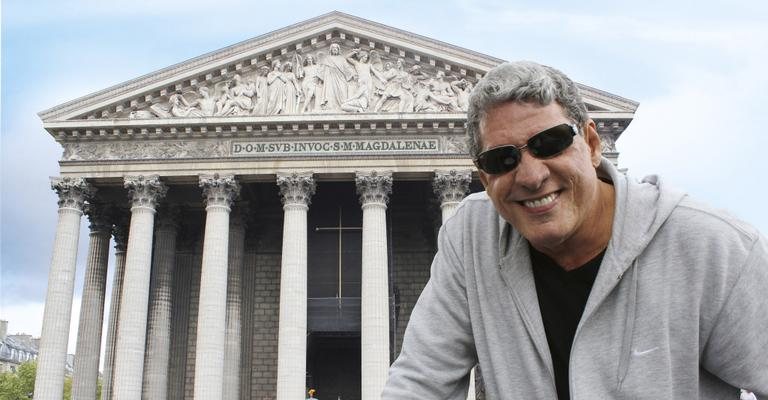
<point x="547" y="143"/>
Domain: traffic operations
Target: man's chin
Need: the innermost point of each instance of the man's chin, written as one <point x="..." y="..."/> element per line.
<point x="543" y="238"/>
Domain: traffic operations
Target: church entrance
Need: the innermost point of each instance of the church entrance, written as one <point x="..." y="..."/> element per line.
<point x="333" y="365"/>
<point x="334" y="257"/>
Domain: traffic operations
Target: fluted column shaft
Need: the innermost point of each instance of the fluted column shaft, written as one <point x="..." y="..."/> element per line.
<point x="120" y="233"/>
<point x="144" y="192"/>
<point x="296" y="191"/>
<point x="86" y="368"/>
<point x="374" y="189"/>
<point x="219" y="192"/>
<point x="49" y="381"/>
<point x="450" y="188"/>
<point x="233" y="341"/>
<point x="159" y="324"/>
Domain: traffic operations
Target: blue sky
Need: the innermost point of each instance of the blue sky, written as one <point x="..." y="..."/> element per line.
<point x="697" y="68"/>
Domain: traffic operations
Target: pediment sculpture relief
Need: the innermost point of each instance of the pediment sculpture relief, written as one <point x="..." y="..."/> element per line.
<point x="321" y="81"/>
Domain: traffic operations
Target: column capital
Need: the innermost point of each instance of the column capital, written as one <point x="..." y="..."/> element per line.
<point x="373" y="186"/>
<point x="451" y="186"/>
<point x="72" y="192"/>
<point x="120" y="228"/>
<point x="219" y="190"/>
<point x="145" y="191"/>
<point x="168" y="218"/>
<point x="100" y="216"/>
<point x="296" y="188"/>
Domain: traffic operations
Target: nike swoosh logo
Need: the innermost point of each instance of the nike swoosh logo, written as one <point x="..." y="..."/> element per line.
<point x="644" y="352"/>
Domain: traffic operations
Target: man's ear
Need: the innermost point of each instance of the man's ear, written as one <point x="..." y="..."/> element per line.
<point x="593" y="141"/>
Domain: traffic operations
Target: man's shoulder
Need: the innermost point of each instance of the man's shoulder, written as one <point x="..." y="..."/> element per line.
<point x="474" y="214"/>
<point x="475" y="204"/>
<point x="702" y="220"/>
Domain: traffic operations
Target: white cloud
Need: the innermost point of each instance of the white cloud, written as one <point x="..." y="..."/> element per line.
<point x="706" y="134"/>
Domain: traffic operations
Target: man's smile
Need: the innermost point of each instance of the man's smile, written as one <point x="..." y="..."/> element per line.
<point x="537" y="204"/>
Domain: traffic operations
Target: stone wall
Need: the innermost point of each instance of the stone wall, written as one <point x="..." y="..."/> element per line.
<point x="414" y="218"/>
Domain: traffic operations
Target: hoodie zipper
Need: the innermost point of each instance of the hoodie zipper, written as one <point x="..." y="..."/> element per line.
<point x="629" y="327"/>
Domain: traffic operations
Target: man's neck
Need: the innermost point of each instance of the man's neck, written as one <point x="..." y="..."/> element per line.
<point x="587" y="243"/>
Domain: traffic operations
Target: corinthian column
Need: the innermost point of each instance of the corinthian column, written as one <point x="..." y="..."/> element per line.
<point x="120" y="233"/>
<point x="233" y="344"/>
<point x="145" y="193"/>
<point x="159" y="329"/>
<point x="374" y="189"/>
<point x="450" y="188"/>
<point x="218" y="192"/>
<point x="86" y="369"/>
<point x="296" y="191"/>
<point x="49" y="382"/>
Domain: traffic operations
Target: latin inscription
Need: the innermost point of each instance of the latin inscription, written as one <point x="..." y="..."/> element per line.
<point x="330" y="147"/>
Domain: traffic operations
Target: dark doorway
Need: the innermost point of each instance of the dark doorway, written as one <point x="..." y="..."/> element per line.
<point x="333" y="365"/>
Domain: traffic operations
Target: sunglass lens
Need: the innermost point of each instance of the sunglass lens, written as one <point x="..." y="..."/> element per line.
<point x="552" y="141"/>
<point x="501" y="159"/>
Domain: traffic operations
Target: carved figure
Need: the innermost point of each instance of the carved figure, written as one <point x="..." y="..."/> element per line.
<point x="334" y="71"/>
<point x="360" y="97"/>
<point x="205" y="103"/>
<point x="421" y="101"/>
<point x="224" y="95"/>
<point x="177" y="107"/>
<point x="292" y="90"/>
<point x="262" y="86"/>
<point x="310" y="84"/>
<point x="442" y="94"/>
<point x="276" y="88"/>
<point x="239" y="100"/>
<point x="462" y="88"/>
<point x="140" y="114"/>
<point x="398" y="86"/>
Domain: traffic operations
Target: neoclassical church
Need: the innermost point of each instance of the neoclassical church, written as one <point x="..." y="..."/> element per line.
<point x="274" y="207"/>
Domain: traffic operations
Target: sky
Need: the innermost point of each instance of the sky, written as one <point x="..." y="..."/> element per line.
<point x="697" y="68"/>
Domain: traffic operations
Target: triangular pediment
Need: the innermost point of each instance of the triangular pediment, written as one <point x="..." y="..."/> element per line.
<point x="332" y="64"/>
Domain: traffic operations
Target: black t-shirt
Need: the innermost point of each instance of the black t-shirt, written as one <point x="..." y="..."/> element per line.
<point x="562" y="296"/>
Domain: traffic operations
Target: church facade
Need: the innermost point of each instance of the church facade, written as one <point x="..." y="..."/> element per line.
<point x="274" y="207"/>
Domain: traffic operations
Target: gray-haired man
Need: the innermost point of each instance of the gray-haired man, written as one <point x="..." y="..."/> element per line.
<point x="566" y="279"/>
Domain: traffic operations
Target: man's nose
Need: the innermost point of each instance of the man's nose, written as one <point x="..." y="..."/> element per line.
<point x="531" y="173"/>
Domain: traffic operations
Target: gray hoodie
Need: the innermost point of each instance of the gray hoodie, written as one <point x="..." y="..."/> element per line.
<point x="679" y="308"/>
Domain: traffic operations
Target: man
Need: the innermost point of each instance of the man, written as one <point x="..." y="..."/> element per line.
<point x="567" y="279"/>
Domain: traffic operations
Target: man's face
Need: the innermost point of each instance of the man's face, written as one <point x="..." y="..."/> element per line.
<point x="549" y="201"/>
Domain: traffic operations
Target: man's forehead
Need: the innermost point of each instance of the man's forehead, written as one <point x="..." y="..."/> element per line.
<point x="514" y="112"/>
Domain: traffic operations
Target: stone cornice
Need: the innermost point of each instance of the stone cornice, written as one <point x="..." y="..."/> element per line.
<point x="273" y="125"/>
<point x="625" y="105"/>
<point x="335" y="124"/>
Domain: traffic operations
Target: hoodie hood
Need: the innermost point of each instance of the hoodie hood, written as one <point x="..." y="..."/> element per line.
<point x="641" y="209"/>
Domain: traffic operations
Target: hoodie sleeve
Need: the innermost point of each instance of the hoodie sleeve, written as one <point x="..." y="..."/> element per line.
<point x="438" y="351"/>
<point x="738" y="343"/>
